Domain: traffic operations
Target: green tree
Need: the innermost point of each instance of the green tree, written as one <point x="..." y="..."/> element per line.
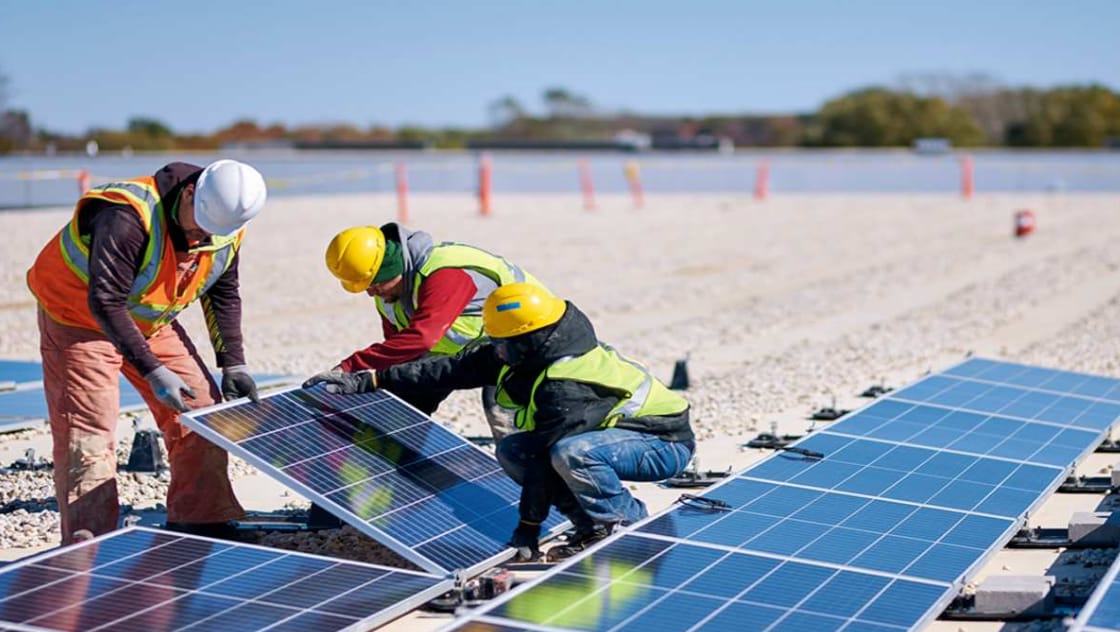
<point x="878" y="117"/>
<point x="1078" y="116"/>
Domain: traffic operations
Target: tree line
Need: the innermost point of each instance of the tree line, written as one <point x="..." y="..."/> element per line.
<point x="970" y="112"/>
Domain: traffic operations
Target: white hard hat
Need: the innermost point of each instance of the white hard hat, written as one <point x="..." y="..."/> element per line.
<point x="227" y="196"/>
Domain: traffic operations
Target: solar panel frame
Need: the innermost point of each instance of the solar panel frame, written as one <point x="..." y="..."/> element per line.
<point x="486" y="619"/>
<point x="1101" y="613"/>
<point x="184" y="573"/>
<point x="435" y="543"/>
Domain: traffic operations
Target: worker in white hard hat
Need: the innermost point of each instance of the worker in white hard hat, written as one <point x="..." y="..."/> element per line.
<point x="109" y="287"/>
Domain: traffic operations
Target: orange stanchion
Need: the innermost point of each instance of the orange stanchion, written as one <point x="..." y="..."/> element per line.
<point x="966" y="178"/>
<point x="762" y="181"/>
<point x="1024" y="223"/>
<point x="402" y="192"/>
<point x="587" y="185"/>
<point x="634" y="176"/>
<point x="83" y="182"/>
<point x="485" y="176"/>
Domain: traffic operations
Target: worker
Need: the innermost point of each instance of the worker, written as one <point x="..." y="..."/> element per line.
<point x="591" y="417"/>
<point x="429" y="297"/>
<point x="109" y="287"/>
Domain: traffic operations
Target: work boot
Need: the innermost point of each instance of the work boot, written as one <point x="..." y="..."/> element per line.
<point x="217" y="530"/>
<point x="578" y="542"/>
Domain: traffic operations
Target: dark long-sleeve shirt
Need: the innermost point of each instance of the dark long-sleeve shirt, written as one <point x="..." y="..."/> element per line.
<point x="117" y="245"/>
<point x="441" y="299"/>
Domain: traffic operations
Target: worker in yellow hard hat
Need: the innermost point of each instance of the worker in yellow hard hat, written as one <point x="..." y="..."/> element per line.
<point x="430" y="298"/>
<point x="591" y="417"/>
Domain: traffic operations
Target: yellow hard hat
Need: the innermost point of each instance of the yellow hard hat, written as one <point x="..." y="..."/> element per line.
<point x="519" y="308"/>
<point x="354" y="256"/>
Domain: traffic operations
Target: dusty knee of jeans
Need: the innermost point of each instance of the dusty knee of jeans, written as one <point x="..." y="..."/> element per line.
<point x="92" y="460"/>
<point x="572" y="453"/>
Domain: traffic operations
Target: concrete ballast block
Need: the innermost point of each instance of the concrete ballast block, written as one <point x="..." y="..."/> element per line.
<point x="1098" y="528"/>
<point x="1015" y="594"/>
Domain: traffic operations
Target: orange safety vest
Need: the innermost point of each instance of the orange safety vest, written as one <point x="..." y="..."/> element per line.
<point x="59" y="279"/>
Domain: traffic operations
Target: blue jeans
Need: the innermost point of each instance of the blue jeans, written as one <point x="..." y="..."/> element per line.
<point x="594" y="464"/>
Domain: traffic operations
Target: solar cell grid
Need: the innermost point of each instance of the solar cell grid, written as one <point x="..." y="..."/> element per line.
<point x="142" y="579"/>
<point x="974" y="433"/>
<point x="1101" y="612"/>
<point x="912" y="494"/>
<point x="941" y="479"/>
<point x="381" y="466"/>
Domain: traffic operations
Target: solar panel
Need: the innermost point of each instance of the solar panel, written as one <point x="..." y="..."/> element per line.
<point x="1038" y="378"/>
<point x="909" y="497"/>
<point x="142" y="579"/>
<point x="19" y="371"/>
<point x="1102" y="612"/>
<point x="381" y="466"/>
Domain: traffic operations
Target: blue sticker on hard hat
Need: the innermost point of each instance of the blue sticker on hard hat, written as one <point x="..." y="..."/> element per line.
<point x="505" y="307"/>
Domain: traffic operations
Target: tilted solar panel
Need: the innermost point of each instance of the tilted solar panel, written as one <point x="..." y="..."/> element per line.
<point x="381" y="466"/>
<point x="1101" y="612"/>
<point x="20" y="371"/>
<point x="878" y="530"/>
<point x="1039" y="378"/>
<point x="146" y="580"/>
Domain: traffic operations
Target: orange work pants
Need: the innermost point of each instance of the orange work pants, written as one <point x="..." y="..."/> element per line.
<point x="80" y="377"/>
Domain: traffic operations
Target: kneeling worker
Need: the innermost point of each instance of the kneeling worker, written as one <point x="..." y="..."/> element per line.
<point x="591" y="417"/>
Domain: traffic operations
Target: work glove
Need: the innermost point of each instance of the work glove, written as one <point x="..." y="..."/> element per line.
<point x="322" y="376"/>
<point x="169" y="388"/>
<point x="237" y="382"/>
<point x="526" y="539"/>
<point x="346" y="383"/>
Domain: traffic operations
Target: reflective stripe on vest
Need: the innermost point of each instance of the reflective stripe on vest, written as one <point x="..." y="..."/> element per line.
<point x="641" y="394"/>
<point x="467" y="327"/>
<point x="154" y="299"/>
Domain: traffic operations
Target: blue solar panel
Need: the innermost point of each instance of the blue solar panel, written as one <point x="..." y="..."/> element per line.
<point x="19" y="371"/>
<point x="1012" y="401"/>
<point x="921" y="475"/>
<point x="1102" y="611"/>
<point x="382" y="467"/>
<point x="974" y="433"/>
<point x="911" y="494"/>
<point x="642" y="583"/>
<point x="1083" y="384"/>
<point x="140" y="579"/>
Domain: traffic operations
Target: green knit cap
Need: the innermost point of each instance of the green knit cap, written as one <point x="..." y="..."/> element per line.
<point x="392" y="264"/>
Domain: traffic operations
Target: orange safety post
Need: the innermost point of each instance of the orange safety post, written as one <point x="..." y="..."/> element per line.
<point x="762" y="181"/>
<point x="83" y="182"/>
<point x="587" y="185"/>
<point x="485" y="176"/>
<point x="634" y="176"/>
<point x="966" y="178"/>
<point x="402" y="193"/>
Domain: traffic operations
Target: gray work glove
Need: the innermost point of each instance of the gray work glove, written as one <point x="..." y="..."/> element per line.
<point x="169" y="388"/>
<point x="322" y="376"/>
<point x="237" y="382"/>
<point x="346" y="383"/>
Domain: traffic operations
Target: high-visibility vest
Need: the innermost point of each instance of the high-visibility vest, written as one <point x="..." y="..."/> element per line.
<point x="59" y="278"/>
<point x="642" y="395"/>
<point x="468" y="326"/>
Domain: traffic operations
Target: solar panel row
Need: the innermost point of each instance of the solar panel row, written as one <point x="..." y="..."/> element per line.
<point x="146" y="580"/>
<point x="912" y="494"/>
<point x="381" y="466"/>
<point x="1101" y="612"/>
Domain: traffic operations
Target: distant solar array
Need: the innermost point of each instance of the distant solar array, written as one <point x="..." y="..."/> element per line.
<point x="143" y="580"/>
<point x="23" y="404"/>
<point x="1102" y="612"/>
<point x="382" y="467"/>
<point x="907" y="497"/>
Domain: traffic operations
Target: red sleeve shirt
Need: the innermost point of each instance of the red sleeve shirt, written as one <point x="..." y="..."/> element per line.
<point x="442" y="298"/>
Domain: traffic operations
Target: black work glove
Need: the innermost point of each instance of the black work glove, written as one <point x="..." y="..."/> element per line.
<point x="526" y="539"/>
<point x="322" y="376"/>
<point x="346" y="383"/>
<point x="237" y="382"/>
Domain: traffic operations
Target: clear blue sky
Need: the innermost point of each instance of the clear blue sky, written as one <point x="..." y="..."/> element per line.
<point x="202" y="64"/>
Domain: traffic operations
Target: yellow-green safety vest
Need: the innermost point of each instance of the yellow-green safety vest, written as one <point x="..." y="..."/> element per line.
<point x="468" y="326"/>
<point x="642" y="394"/>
